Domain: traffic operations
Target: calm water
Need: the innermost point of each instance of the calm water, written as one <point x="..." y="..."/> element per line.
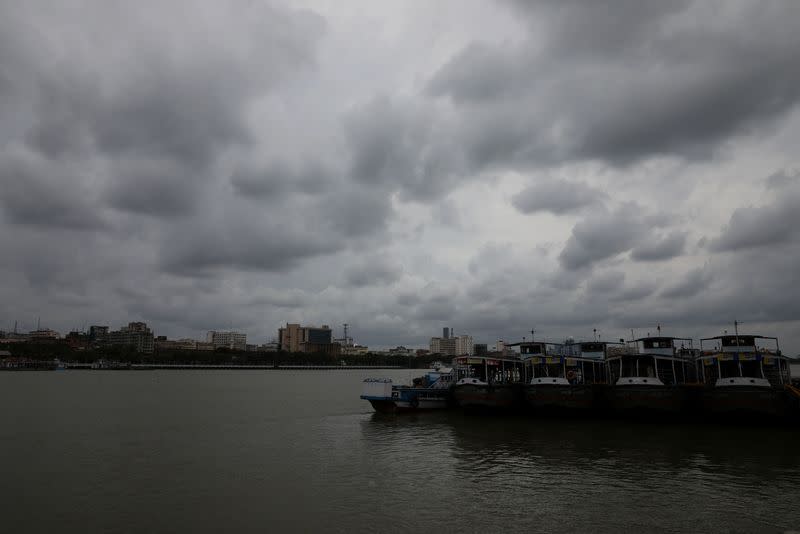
<point x="250" y="451"/>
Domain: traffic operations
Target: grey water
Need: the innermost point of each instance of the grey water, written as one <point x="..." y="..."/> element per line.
<point x="280" y="451"/>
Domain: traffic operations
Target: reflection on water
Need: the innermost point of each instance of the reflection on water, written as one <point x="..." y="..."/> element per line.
<point x="590" y="475"/>
<point x="243" y="451"/>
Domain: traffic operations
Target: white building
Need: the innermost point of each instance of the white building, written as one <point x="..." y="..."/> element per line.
<point x="228" y="340"/>
<point x="464" y="346"/>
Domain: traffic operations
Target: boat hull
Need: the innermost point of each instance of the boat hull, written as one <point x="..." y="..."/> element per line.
<point x="560" y="399"/>
<point x="488" y="396"/>
<point x="405" y="399"/>
<point x="753" y="404"/>
<point x="649" y="401"/>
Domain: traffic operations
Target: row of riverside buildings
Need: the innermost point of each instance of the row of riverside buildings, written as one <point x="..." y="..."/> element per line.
<point x="137" y="336"/>
<point x="462" y="345"/>
<point x="293" y="338"/>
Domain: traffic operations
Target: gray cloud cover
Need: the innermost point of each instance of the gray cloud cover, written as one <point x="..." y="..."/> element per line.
<point x="557" y="197"/>
<point x="213" y="165"/>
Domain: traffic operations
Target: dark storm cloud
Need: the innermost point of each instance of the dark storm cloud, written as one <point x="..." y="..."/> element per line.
<point x="556" y="196"/>
<point x="624" y="81"/>
<point x="38" y="193"/>
<point x="151" y="116"/>
<point x="353" y="213"/>
<point x="606" y="282"/>
<point x="245" y="245"/>
<point x="658" y="249"/>
<point x="280" y="178"/>
<point x="783" y="178"/>
<point x="604" y="235"/>
<point x="399" y="145"/>
<point x="437" y="308"/>
<point x="755" y="227"/>
<point x="634" y="293"/>
<point x="692" y="283"/>
<point x="374" y="271"/>
<point x="161" y="188"/>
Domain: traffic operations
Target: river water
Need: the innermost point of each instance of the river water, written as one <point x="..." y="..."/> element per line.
<point x="280" y="451"/>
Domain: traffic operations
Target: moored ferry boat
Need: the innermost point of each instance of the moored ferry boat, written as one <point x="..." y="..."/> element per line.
<point x="564" y="378"/>
<point x="428" y="392"/>
<point x="652" y="377"/>
<point x="492" y="382"/>
<point x="746" y="377"/>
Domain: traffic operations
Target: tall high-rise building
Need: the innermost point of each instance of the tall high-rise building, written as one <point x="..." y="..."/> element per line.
<point x="296" y="338"/>
<point x="446" y="332"/>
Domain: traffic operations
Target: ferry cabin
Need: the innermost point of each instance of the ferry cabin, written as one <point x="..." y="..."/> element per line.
<point x="742" y="360"/>
<point x="653" y="361"/>
<point x="570" y="364"/>
<point x="488" y="370"/>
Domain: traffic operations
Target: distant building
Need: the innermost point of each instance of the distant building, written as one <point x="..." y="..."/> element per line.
<point x="136" y="335"/>
<point x="269" y="347"/>
<point x="464" y="346"/>
<point x="441" y="345"/>
<point x="162" y="343"/>
<point x="480" y="349"/>
<point x="43" y="333"/>
<point x="227" y="339"/>
<point x="98" y="335"/>
<point x="355" y="350"/>
<point x="296" y="338"/>
<point x="77" y="340"/>
<point x="447" y="332"/>
<point x="401" y="351"/>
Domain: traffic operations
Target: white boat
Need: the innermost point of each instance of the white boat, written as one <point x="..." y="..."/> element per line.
<point x="431" y="391"/>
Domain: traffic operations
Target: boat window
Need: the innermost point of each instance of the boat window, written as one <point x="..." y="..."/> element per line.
<point x="740" y="341"/>
<point x="657" y="343"/>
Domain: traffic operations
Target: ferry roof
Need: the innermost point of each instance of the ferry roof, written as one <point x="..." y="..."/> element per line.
<point x="532" y="342"/>
<point x="728" y="336"/>
<point x="598" y="342"/>
<point x="539" y="342"/>
<point x="663" y="338"/>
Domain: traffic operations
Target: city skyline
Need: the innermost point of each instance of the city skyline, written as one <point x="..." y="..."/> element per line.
<point x="497" y="166"/>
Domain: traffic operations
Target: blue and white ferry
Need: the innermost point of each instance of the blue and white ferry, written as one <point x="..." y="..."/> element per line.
<point x="428" y="392"/>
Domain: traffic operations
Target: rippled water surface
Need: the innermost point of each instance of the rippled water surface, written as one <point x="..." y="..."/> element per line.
<point x="250" y="451"/>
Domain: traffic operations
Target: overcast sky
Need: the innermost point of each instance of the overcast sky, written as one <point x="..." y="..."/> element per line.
<point x="494" y="167"/>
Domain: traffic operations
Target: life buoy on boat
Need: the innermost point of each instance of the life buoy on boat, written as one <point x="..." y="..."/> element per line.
<point x="570" y="375"/>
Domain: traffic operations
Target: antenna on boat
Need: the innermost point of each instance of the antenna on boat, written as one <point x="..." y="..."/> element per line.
<point x="531" y="334"/>
<point x="659" y="329"/>
<point x="736" y="330"/>
<point x="595" y="333"/>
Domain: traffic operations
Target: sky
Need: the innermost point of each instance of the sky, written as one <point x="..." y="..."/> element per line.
<point x="492" y="166"/>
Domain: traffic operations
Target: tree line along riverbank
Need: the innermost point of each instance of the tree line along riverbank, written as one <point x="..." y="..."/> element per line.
<point x="220" y="356"/>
